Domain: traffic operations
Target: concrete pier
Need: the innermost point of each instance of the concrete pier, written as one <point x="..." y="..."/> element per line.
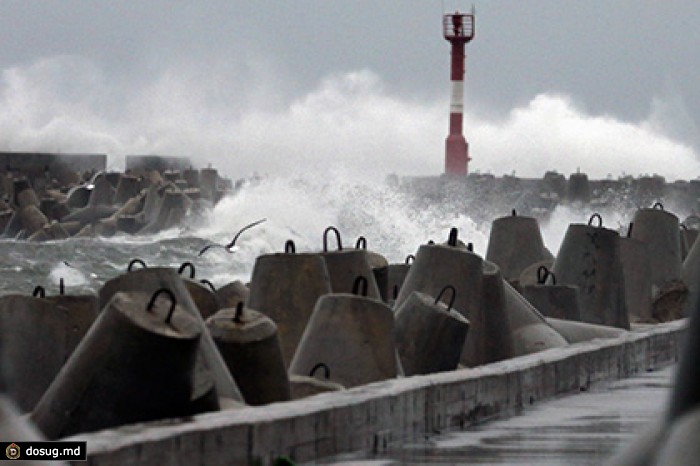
<point x="370" y="418"/>
<point x="575" y="430"/>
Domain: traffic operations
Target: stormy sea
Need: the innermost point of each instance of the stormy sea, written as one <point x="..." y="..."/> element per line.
<point x="293" y="208"/>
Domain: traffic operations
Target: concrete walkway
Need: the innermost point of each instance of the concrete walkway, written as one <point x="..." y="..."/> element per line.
<point x="582" y="429"/>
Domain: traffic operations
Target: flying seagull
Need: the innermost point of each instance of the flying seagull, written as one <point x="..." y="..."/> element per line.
<point x="233" y="241"/>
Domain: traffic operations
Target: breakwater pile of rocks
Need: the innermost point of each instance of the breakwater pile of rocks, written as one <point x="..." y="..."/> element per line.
<point x="155" y="343"/>
<point x="159" y="344"/>
<point x="486" y="196"/>
<point x="53" y="197"/>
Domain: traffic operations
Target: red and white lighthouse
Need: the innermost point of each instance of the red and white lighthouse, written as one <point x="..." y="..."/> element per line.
<point x="458" y="29"/>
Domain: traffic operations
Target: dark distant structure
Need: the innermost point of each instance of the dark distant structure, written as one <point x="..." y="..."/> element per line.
<point x="35" y="165"/>
<point x="157" y="162"/>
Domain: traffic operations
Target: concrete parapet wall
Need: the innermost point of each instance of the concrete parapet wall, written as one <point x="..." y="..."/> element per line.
<point x="34" y="163"/>
<point x="368" y="418"/>
<point x="157" y="162"/>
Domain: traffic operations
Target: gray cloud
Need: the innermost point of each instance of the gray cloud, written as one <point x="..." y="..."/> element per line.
<point x="177" y="75"/>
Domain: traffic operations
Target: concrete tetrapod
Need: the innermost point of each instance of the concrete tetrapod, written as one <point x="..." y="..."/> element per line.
<point x="191" y="176"/>
<point x="112" y="178"/>
<point x="131" y="207"/>
<point x="589" y="258"/>
<point x="127" y="188"/>
<point x="303" y="386"/>
<point x="208" y="183"/>
<point x="285" y="287"/>
<point x="231" y="294"/>
<point x="135" y="364"/>
<point x="5" y="217"/>
<point x="688" y="237"/>
<point x="153" y="278"/>
<point x="78" y="197"/>
<point x="39" y="333"/>
<point x="352" y="334"/>
<point x="151" y="206"/>
<point x="575" y="332"/>
<point x="201" y="294"/>
<point x="90" y="214"/>
<point x="52" y="231"/>
<point x="438" y="265"/>
<point x="13" y="226"/>
<point x="102" y="192"/>
<point x="515" y="242"/>
<point x="374" y="259"/>
<point x="32" y="219"/>
<point x="636" y="267"/>
<point x="558" y="301"/>
<point x="659" y="229"/>
<point x="171" y="210"/>
<point x="691" y="277"/>
<point x="429" y="338"/>
<point x="345" y="264"/>
<point x="528" y="328"/>
<point x="685" y="396"/>
<point x="579" y="190"/>
<point x="23" y="194"/>
<point x="390" y="279"/>
<point x="675" y="436"/>
<point x="249" y="344"/>
<point x="172" y="175"/>
<point x="494" y="342"/>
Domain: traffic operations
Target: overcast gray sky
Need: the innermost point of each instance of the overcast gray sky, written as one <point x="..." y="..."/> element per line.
<point x="173" y="76"/>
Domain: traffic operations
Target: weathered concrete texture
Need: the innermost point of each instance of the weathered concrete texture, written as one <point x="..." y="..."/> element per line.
<point x="369" y="417"/>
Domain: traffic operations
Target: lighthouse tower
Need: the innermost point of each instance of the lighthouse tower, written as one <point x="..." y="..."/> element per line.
<point x="458" y="29"/>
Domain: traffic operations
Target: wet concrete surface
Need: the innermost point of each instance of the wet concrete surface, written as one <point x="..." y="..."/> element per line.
<point x="581" y="429"/>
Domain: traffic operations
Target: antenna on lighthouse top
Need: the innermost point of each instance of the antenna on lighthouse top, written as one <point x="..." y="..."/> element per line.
<point x="458" y="26"/>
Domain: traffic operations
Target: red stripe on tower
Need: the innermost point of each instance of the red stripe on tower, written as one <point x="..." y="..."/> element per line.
<point x="458" y="29"/>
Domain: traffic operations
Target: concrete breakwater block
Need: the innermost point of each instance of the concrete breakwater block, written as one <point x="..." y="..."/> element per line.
<point x="528" y="329"/>
<point x="438" y="265"/>
<point x="354" y="420"/>
<point x="353" y="335"/>
<point x="429" y="335"/>
<point x="135" y="364"/>
<point x="249" y="344"/>
<point x="39" y="334"/>
<point x="589" y="258"/>
<point x="285" y="287"/>
<point x="515" y="242"/>
<point x="660" y="230"/>
<point x="149" y="280"/>
<point x="552" y="300"/>
<point x="390" y="279"/>
<point x="92" y="195"/>
<point x="344" y="265"/>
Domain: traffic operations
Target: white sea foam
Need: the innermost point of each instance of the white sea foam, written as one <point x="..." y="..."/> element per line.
<point x="322" y="156"/>
<point x="351" y="121"/>
<point x="300" y="209"/>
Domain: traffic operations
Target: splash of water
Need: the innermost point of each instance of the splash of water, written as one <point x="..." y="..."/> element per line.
<point x="350" y="120"/>
<point x="301" y="208"/>
<point x="323" y="156"/>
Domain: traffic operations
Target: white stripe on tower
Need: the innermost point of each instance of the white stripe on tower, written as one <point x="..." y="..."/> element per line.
<point x="457" y="100"/>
